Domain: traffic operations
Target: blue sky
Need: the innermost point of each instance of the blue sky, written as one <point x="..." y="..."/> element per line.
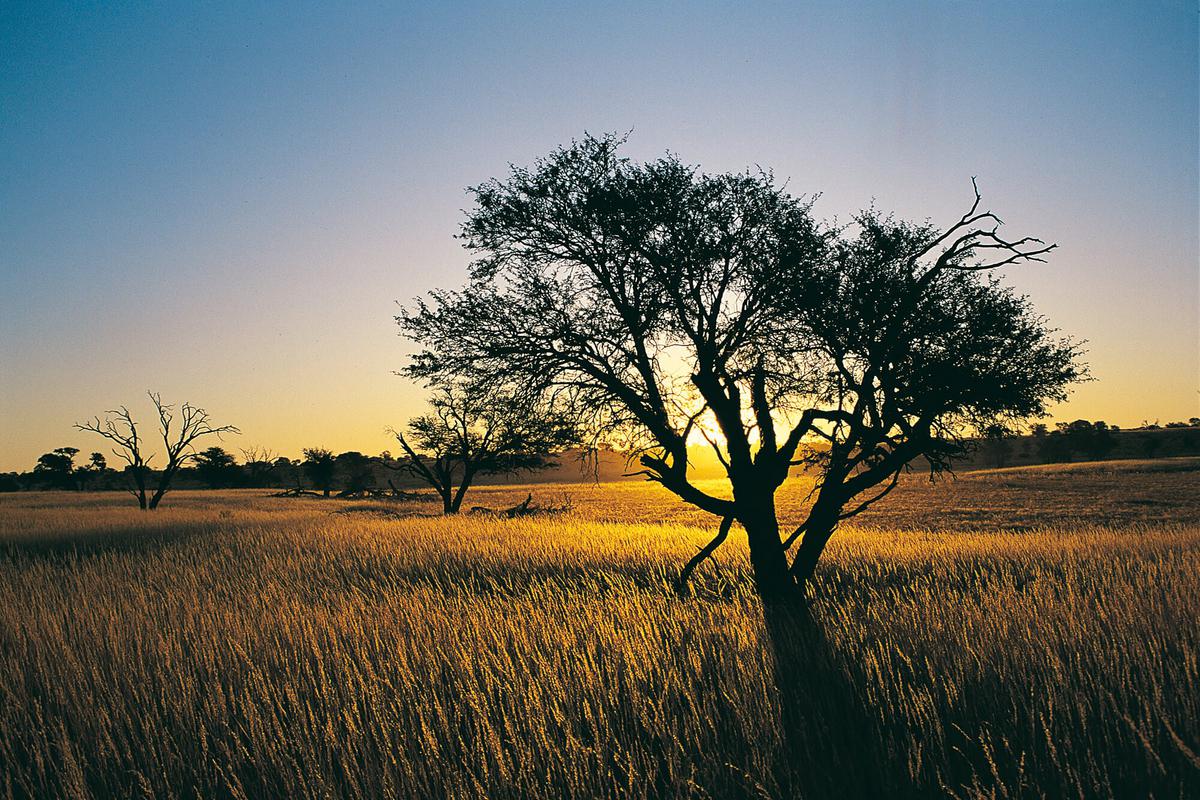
<point x="224" y="202"/>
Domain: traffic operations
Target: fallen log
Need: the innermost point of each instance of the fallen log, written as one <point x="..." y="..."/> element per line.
<point x="525" y="508"/>
<point x="297" y="492"/>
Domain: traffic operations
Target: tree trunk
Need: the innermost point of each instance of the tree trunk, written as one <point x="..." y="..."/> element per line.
<point x="821" y="525"/>
<point x="772" y="579"/>
<point x="139" y="482"/>
<point x="457" y="502"/>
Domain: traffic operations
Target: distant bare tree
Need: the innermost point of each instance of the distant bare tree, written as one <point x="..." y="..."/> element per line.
<point x="259" y="464"/>
<point x="470" y="431"/>
<point x="180" y="429"/>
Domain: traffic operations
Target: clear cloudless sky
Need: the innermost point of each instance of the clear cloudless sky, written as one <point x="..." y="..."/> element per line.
<point x="224" y="202"/>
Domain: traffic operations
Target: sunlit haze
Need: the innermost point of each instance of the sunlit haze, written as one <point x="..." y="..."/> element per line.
<point x="225" y="204"/>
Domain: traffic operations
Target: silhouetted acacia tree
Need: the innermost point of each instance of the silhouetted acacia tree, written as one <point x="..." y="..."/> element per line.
<point x="667" y="305"/>
<point x="286" y="471"/>
<point x="179" y="429"/>
<point x="1054" y="448"/>
<point x="216" y="467"/>
<point x="259" y="464"/>
<point x="997" y="444"/>
<point x="95" y="468"/>
<point x="474" y="430"/>
<point x="320" y="468"/>
<point x="1092" y="439"/>
<point x="358" y="472"/>
<point x="57" y="468"/>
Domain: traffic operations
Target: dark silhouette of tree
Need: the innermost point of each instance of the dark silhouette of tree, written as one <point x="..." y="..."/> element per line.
<point x="320" y="468"/>
<point x="358" y="473"/>
<point x="258" y="465"/>
<point x="997" y="445"/>
<point x="56" y="469"/>
<point x="1101" y="443"/>
<point x="286" y="471"/>
<point x="1150" y="444"/>
<point x="1054" y="448"/>
<point x="472" y="430"/>
<point x="1093" y="440"/>
<point x="179" y="428"/>
<point x="667" y="305"/>
<point x="216" y="467"/>
<point x="95" y="468"/>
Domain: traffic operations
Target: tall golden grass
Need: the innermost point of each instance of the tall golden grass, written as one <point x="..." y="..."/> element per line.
<point x="235" y="646"/>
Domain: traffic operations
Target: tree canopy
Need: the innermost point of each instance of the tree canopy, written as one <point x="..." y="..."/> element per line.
<point x="476" y="429"/>
<point x="668" y="306"/>
<point x="179" y="428"/>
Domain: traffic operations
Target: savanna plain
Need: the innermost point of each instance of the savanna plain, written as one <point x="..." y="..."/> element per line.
<point x="1029" y="632"/>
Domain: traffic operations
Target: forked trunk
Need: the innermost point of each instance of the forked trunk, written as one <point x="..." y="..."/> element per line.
<point x="164" y="483"/>
<point x="454" y="505"/>
<point x="447" y="499"/>
<point x="772" y="580"/>
<point x="820" y="529"/>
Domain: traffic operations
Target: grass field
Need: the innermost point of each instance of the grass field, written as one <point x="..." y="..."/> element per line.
<point x="1017" y="633"/>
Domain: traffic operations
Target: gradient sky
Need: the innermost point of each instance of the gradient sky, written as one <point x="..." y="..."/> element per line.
<point x="224" y="203"/>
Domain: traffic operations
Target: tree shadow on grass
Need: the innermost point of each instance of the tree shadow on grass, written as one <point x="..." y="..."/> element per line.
<point x="85" y="544"/>
<point x="834" y="744"/>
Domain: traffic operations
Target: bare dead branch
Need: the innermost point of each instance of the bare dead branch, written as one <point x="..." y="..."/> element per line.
<point x="681" y="583"/>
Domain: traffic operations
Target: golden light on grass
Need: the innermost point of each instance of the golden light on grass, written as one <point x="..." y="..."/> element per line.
<point x="248" y="647"/>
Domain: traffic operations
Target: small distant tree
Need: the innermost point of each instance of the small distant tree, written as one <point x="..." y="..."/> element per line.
<point x="57" y="468"/>
<point x="1092" y="439"/>
<point x="357" y="471"/>
<point x="997" y="445"/>
<point x="258" y="464"/>
<point x="1054" y="448"/>
<point x="1150" y="444"/>
<point x="216" y="467"/>
<point x="286" y="472"/>
<point x="472" y="431"/>
<point x="1038" y="430"/>
<point x="1101" y="443"/>
<point x="179" y="428"/>
<point x="320" y="468"/>
<point x="95" y="468"/>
